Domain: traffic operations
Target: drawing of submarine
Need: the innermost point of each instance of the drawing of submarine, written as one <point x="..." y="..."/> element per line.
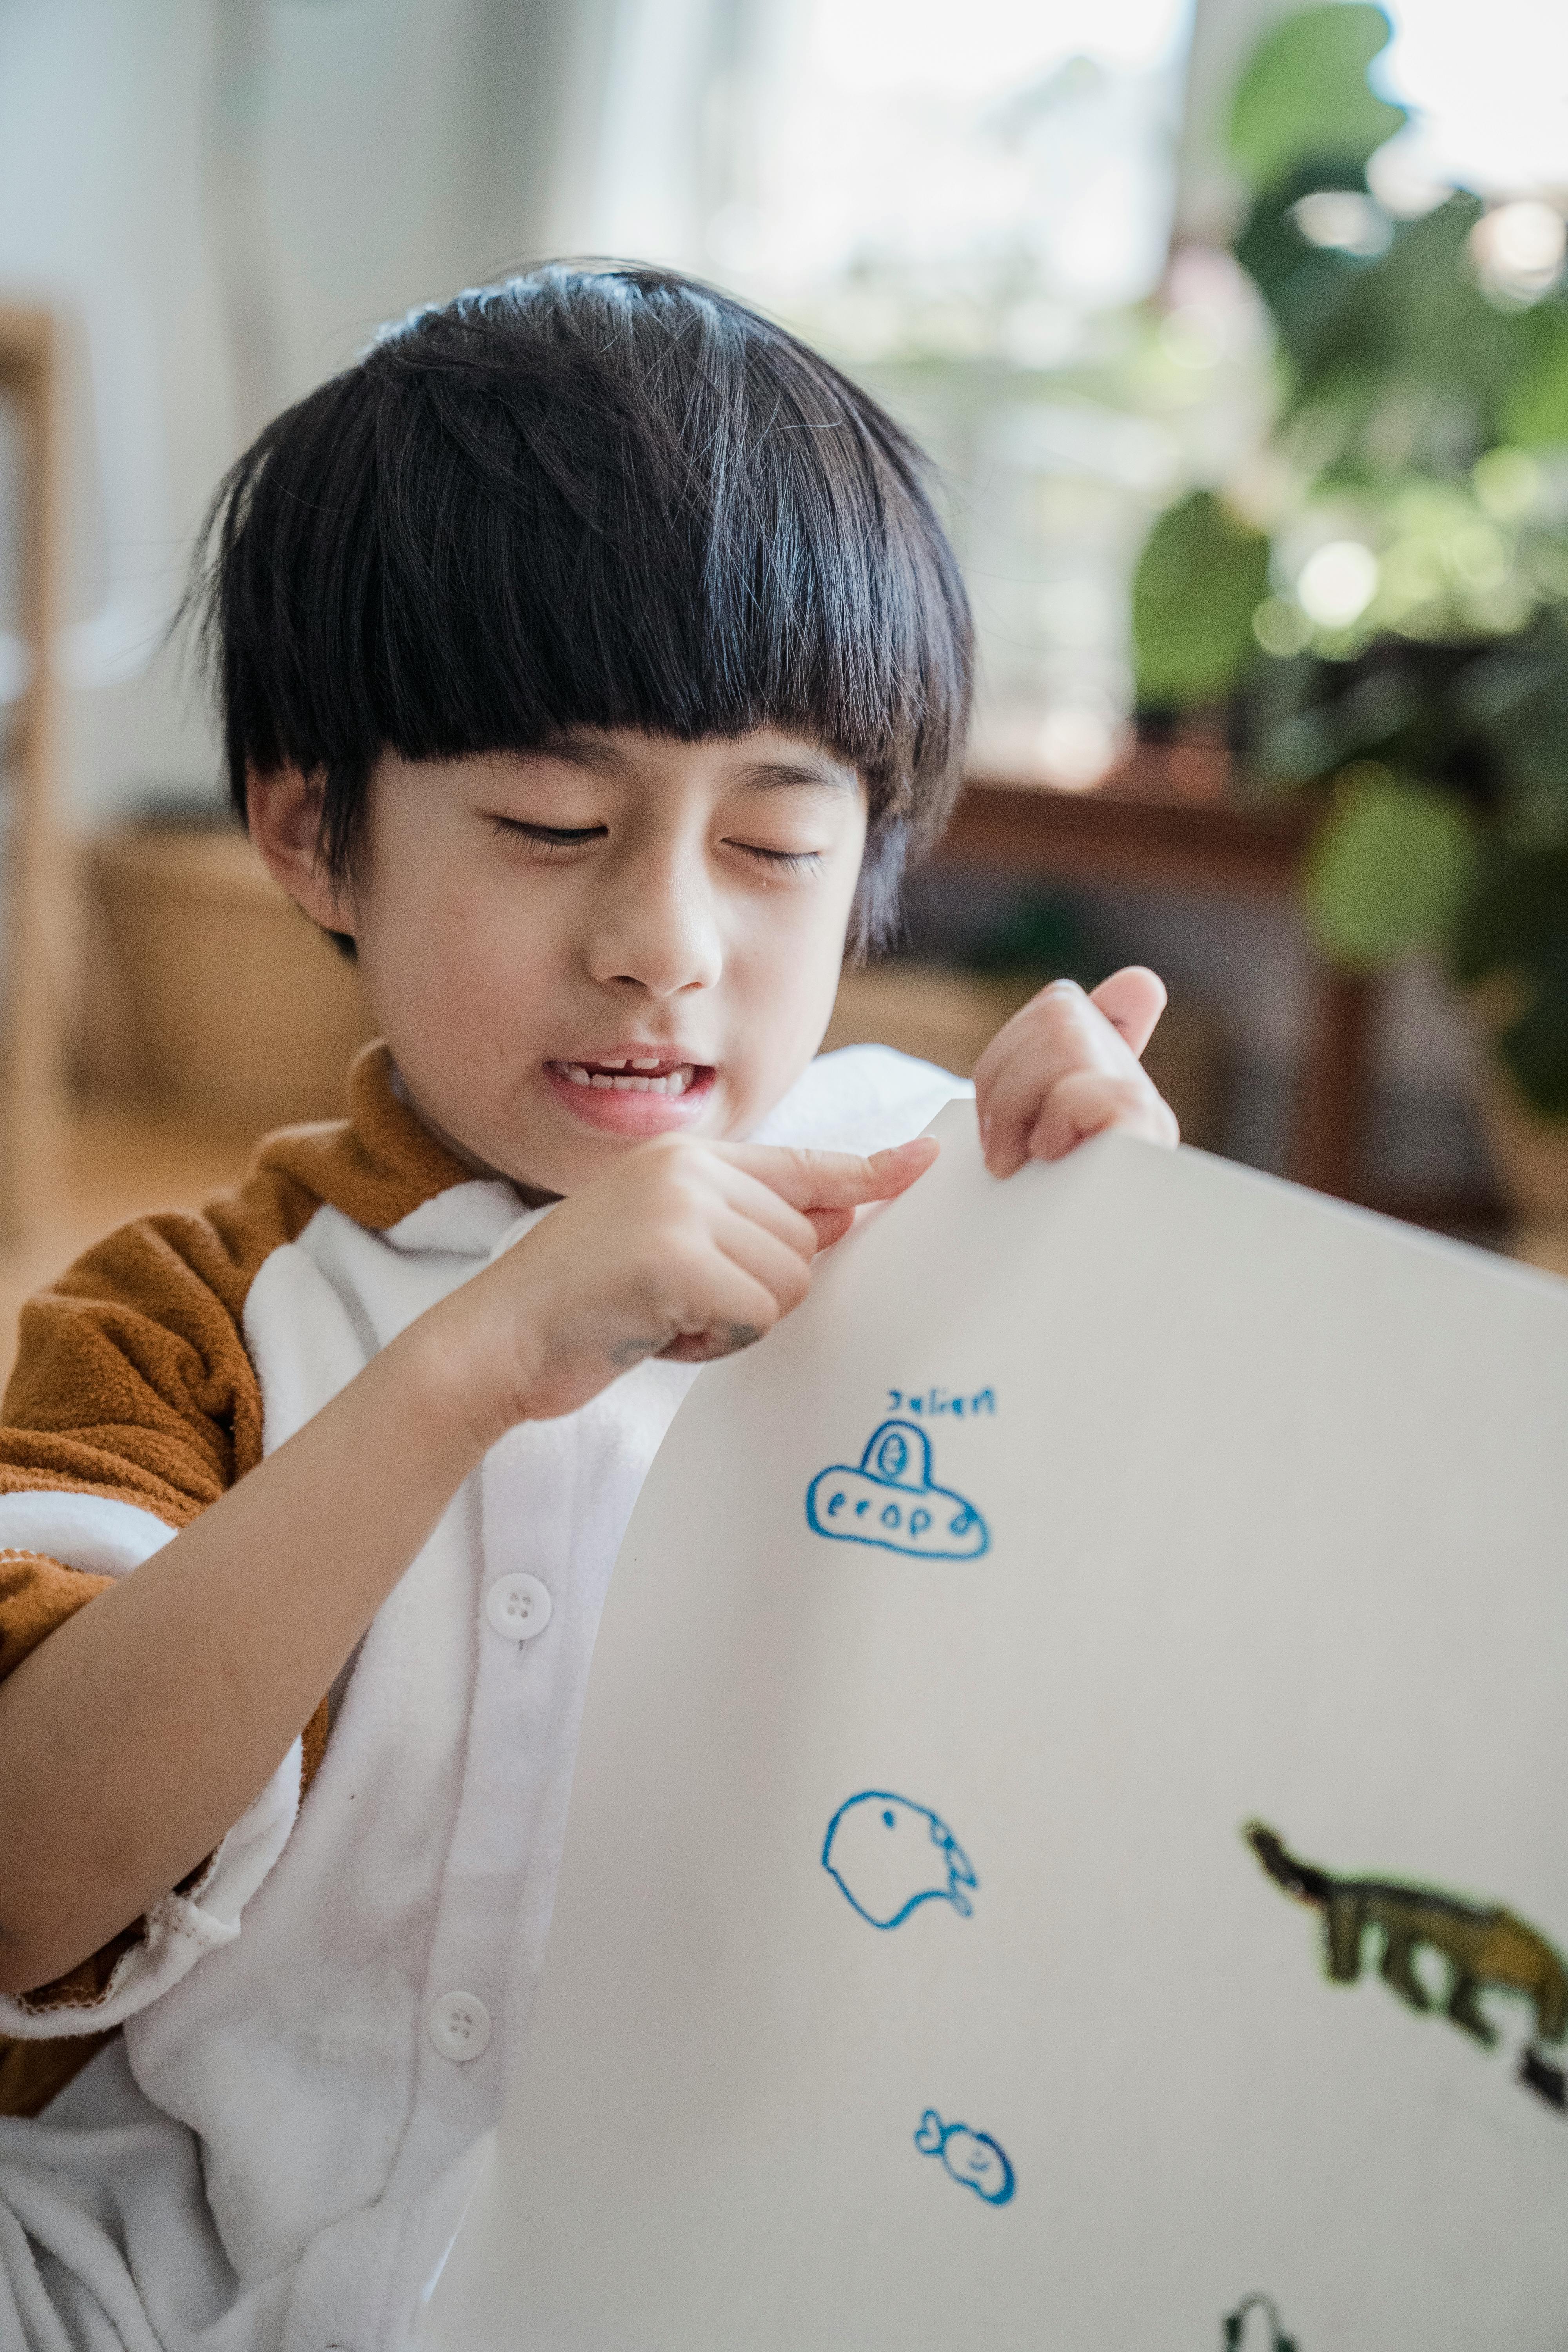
<point x="890" y="1500"/>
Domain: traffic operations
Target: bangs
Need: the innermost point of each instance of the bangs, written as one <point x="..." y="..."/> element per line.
<point x="589" y="497"/>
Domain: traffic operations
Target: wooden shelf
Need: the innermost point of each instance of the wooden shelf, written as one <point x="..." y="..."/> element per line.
<point x="1172" y="818"/>
<point x="1135" y="829"/>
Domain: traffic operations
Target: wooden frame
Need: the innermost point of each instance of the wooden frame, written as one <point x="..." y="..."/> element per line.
<point x="30" y="1047"/>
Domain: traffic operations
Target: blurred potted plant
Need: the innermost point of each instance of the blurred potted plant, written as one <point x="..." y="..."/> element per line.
<point x="1378" y="596"/>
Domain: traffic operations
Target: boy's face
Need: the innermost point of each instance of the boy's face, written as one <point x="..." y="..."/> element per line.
<point x="531" y="928"/>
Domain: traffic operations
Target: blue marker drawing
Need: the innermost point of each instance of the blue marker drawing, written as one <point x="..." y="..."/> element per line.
<point x="890" y="1856"/>
<point x="971" y="2156"/>
<point x="891" y="1500"/>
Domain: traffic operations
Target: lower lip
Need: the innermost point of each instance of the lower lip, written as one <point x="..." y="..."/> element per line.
<point x="621" y="1110"/>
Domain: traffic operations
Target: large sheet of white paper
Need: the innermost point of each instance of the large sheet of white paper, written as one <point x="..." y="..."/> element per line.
<point x="1071" y="1824"/>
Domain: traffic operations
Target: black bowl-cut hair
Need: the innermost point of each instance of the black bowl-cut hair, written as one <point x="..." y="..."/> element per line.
<point x="593" y="497"/>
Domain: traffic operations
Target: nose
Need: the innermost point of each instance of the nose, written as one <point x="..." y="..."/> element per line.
<point x="656" y="928"/>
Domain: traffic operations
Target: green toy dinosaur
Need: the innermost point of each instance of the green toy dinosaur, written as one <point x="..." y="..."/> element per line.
<point x="1485" y="1947"/>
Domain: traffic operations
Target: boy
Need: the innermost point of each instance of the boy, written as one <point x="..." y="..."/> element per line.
<point x="589" y="657"/>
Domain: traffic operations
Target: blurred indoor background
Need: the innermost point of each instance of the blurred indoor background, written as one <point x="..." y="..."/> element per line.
<point x="1238" y="334"/>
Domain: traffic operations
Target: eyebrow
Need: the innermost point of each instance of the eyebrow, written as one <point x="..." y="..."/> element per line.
<point x="824" y="775"/>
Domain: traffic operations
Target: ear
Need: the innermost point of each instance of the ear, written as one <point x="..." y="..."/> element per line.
<point x="283" y="813"/>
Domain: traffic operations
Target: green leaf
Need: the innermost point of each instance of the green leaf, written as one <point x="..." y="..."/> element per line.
<point x="1510" y="701"/>
<point x="1201" y="576"/>
<point x="1516" y="925"/>
<point x="1535" y="410"/>
<point x="1302" y="284"/>
<point x="1414" y="323"/>
<point x="1324" y="715"/>
<point x="1517" y="918"/>
<point x="1389" y="871"/>
<point x="1305" y="93"/>
<point x="1534" y="1048"/>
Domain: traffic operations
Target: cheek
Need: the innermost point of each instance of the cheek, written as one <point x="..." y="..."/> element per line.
<point x="446" y="952"/>
<point x="784" y="960"/>
<point x="812" y="922"/>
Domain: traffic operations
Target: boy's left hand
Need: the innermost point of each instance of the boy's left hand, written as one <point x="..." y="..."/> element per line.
<point x="1067" y="1067"/>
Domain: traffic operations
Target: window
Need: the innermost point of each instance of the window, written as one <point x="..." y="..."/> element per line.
<point x="1491" y="92"/>
<point x="999" y="150"/>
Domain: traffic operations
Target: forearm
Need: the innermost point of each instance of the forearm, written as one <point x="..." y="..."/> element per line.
<point x="138" y="1732"/>
<point x="136" y="1735"/>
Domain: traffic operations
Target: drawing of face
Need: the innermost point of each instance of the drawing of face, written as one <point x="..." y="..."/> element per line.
<point x="888" y="1856"/>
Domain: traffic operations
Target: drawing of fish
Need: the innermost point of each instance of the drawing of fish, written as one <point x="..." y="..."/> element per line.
<point x="974" y="2158"/>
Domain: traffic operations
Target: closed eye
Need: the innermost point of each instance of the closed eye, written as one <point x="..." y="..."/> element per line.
<point x="546" y="837"/>
<point x="780" y="861"/>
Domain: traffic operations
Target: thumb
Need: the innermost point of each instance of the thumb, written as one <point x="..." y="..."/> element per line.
<point x="832" y="1224"/>
<point x="1131" y="1001"/>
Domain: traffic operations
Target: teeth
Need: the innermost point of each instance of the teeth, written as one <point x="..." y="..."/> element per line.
<point x="649" y="1065"/>
<point x="676" y="1082"/>
<point x="614" y="1065"/>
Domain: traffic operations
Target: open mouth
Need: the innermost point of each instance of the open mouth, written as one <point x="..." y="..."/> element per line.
<point x="641" y="1077"/>
<point x="633" y="1093"/>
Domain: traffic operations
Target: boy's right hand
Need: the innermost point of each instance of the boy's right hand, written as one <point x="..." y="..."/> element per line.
<point x="133" y="1739"/>
<point x="684" y="1249"/>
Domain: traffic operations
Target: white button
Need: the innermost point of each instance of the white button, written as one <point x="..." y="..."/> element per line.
<point x="460" y="2026"/>
<point x="519" y="1607"/>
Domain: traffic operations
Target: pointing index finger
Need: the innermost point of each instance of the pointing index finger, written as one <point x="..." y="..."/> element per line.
<point x="833" y="1180"/>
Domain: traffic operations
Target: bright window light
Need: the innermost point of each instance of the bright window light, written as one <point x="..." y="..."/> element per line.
<point x="982" y="50"/>
<point x="1519" y="247"/>
<point x="915" y="138"/>
<point x="1338" y="582"/>
<point x="1490" y="87"/>
<point x="1341" y="221"/>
